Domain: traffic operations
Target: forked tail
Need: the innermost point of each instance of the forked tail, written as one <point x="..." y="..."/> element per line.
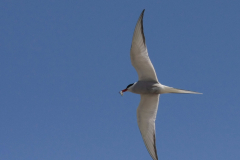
<point x="175" y="90"/>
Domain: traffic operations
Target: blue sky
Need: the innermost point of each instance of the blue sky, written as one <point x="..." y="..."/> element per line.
<point x="63" y="63"/>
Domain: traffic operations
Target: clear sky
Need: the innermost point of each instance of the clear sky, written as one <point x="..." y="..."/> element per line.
<point x="62" y="64"/>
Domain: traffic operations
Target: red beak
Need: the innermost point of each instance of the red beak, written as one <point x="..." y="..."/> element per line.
<point x="121" y="92"/>
<point x="124" y="90"/>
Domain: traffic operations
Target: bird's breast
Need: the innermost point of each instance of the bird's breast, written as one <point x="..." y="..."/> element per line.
<point x="146" y="87"/>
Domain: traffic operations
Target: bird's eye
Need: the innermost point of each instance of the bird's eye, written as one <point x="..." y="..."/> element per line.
<point x="130" y="85"/>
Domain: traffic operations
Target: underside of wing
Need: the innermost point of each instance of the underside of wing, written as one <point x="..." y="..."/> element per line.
<point x="146" y="116"/>
<point x="139" y="54"/>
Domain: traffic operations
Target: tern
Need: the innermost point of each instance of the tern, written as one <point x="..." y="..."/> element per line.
<point x="148" y="87"/>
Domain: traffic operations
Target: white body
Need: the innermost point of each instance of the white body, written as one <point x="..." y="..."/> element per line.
<point x="150" y="87"/>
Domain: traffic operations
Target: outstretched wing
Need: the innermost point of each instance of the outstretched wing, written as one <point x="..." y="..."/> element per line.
<point x="146" y="116"/>
<point x="139" y="54"/>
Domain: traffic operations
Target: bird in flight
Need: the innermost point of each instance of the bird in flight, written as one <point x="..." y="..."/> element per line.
<point x="148" y="87"/>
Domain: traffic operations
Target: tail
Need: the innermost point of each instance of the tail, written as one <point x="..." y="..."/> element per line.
<point x="175" y="90"/>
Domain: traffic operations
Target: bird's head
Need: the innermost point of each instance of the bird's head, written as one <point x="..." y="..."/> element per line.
<point x="127" y="88"/>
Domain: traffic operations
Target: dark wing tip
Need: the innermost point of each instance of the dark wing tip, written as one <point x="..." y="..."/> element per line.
<point x="139" y="28"/>
<point x="155" y="148"/>
<point x="142" y="26"/>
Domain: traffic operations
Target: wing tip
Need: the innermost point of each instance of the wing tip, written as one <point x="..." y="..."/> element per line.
<point x="142" y="14"/>
<point x="154" y="145"/>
